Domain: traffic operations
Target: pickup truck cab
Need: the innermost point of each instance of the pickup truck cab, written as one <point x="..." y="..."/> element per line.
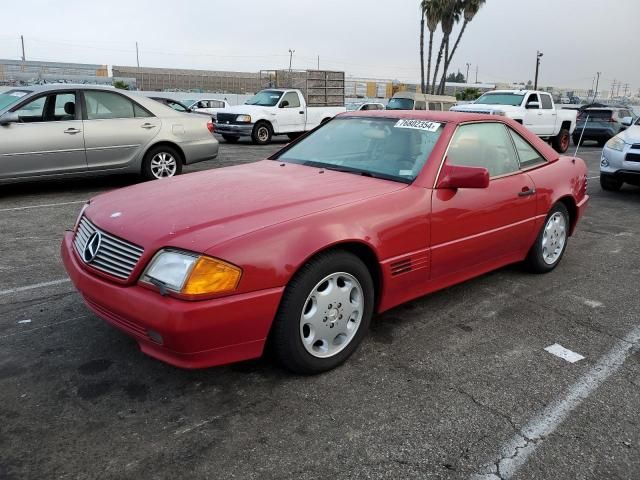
<point x="271" y="112"/>
<point x="533" y="109"/>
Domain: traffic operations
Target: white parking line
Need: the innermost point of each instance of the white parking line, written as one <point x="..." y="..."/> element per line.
<point x="34" y="286"/>
<point x="564" y="353"/>
<point x="41" y="206"/>
<point x="515" y="452"/>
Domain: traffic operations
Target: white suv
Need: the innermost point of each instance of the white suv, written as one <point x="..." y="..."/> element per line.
<point x="620" y="162"/>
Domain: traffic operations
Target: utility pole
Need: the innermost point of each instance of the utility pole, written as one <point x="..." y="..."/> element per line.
<point x="595" y="95"/>
<point x="137" y="56"/>
<point x="318" y="62"/>
<point x="466" y="79"/>
<point x="613" y="88"/>
<point x="291" y="52"/>
<point x="618" y="90"/>
<point x="538" y="57"/>
<point x="22" y="41"/>
<point x="626" y="89"/>
<point x="477" y="68"/>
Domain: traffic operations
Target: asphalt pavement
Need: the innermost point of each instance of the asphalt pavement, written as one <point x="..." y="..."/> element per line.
<point x="457" y="384"/>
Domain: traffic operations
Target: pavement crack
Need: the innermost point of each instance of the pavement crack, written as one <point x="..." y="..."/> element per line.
<point x="493" y="410"/>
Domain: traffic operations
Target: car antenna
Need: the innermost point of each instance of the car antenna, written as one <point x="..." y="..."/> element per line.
<point x="581" y="135"/>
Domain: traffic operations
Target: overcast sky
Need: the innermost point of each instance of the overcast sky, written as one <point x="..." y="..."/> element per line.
<point x="364" y="38"/>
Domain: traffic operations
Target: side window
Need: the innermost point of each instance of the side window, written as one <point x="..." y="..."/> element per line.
<point x="64" y="107"/>
<point x="420" y="105"/>
<point x="140" y="112"/>
<point x="486" y="145"/>
<point x="435" y="106"/>
<point x="547" y="104"/>
<point x="292" y="98"/>
<point x="527" y="154"/>
<point x="32" y="111"/>
<point x="217" y="104"/>
<point x="107" y="105"/>
<point x="533" y="98"/>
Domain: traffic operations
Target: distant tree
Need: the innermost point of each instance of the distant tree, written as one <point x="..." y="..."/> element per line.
<point x="529" y="85"/>
<point x="456" y="77"/>
<point x="432" y="13"/>
<point x="468" y="94"/>
<point x="451" y="12"/>
<point x="122" y="85"/>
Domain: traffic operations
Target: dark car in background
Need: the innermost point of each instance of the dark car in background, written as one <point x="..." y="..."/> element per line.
<point x="176" y="105"/>
<point x="601" y="123"/>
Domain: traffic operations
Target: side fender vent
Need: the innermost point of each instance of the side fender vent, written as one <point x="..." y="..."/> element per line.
<point x="403" y="266"/>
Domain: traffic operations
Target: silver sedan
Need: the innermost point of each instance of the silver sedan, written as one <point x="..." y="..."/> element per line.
<point x="57" y="131"/>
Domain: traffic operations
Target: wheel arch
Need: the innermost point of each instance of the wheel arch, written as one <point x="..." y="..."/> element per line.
<point x="570" y="204"/>
<point x="166" y="143"/>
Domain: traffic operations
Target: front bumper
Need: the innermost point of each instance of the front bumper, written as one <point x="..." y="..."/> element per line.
<point x="195" y="334"/>
<point x="234" y="130"/>
<point x="616" y="164"/>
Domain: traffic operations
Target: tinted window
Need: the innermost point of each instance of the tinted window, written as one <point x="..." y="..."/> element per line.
<point x="420" y="105"/>
<point x="546" y="102"/>
<point x="486" y="145"/>
<point x="533" y="98"/>
<point x="107" y="105"/>
<point x="400" y="104"/>
<point x="500" y="99"/>
<point x="435" y="106"/>
<point x="380" y="147"/>
<point x="32" y="111"/>
<point x="527" y="154"/>
<point x="11" y="97"/>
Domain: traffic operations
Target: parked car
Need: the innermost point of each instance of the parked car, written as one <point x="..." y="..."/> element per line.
<point x="534" y="109"/>
<point x="620" y="162"/>
<point x="420" y="101"/>
<point x="369" y="211"/>
<point x="73" y="130"/>
<point x="601" y="123"/>
<point x="284" y="109"/>
<point x="176" y="105"/>
<point x="358" y="106"/>
<point x="208" y="106"/>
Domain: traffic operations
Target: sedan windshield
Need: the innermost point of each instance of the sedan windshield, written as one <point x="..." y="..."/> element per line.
<point x="11" y="97"/>
<point x="266" y="98"/>
<point x="385" y="148"/>
<point x="513" y="99"/>
<point x="400" y="104"/>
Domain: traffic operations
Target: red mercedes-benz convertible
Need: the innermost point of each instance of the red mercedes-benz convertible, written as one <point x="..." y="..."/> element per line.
<point x="368" y="211"/>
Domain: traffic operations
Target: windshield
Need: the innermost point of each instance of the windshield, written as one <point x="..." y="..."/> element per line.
<point x="11" y="97"/>
<point x="353" y="106"/>
<point x="385" y="148"/>
<point x="513" y="99"/>
<point x="178" y="107"/>
<point x="266" y="98"/>
<point x="400" y="104"/>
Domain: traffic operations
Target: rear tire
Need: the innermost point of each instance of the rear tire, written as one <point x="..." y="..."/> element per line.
<point x="161" y="162"/>
<point x="262" y="133"/>
<point x="561" y="141"/>
<point x="551" y="242"/>
<point x="324" y="314"/>
<point x="610" y="184"/>
<point x="230" y="138"/>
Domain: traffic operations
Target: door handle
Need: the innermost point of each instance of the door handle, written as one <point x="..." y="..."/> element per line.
<point x="526" y="191"/>
<point x="72" y="131"/>
<point x="301" y="113"/>
<point x="148" y="125"/>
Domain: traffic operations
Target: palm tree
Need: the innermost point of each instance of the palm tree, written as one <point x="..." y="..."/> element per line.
<point x="450" y="16"/>
<point x="422" y="86"/>
<point x="470" y="9"/>
<point x="432" y="10"/>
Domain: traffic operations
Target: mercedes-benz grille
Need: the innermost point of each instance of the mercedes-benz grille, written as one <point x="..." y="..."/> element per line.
<point x="105" y="252"/>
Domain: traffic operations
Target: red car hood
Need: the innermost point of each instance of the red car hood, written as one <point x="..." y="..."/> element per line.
<point x="201" y="210"/>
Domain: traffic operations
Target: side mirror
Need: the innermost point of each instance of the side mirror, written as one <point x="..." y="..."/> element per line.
<point x="627" y="121"/>
<point x="533" y="106"/>
<point x="457" y="176"/>
<point x="285" y="103"/>
<point x="9" y="117"/>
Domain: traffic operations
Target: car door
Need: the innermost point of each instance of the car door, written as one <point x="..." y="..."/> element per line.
<point x="116" y="129"/>
<point x="549" y="116"/>
<point x="48" y="139"/>
<point x="291" y="115"/>
<point x="475" y="229"/>
<point x="533" y="117"/>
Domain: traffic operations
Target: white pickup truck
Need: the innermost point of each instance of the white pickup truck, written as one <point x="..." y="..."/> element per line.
<point x="535" y="110"/>
<point x="294" y="103"/>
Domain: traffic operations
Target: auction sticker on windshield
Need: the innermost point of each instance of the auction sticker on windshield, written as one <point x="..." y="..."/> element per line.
<point x="418" y="125"/>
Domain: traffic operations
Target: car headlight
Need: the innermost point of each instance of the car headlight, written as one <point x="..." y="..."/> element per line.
<point x="191" y="274"/>
<point x="84" y="207"/>
<point x="243" y="118"/>
<point x="616" y="143"/>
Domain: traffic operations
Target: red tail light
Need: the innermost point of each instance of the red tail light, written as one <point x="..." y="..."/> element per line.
<point x="211" y="126"/>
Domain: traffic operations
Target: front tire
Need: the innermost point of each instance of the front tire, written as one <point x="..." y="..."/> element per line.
<point x="324" y="314"/>
<point x="551" y="243"/>
<point x="609" y="183"/>
<point x="261" y="134"/>
<point x="161" y="162"/>
<point x="561" y="141"/>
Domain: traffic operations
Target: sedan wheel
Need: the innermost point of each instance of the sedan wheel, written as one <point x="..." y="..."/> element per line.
<point x="324" y="313"/>
<point x="163" y="165"/>
<point x="331" y="315"/>
<point x="549" y="247"/>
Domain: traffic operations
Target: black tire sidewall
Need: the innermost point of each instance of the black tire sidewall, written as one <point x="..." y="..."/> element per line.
<point x="557" y="140"/>
<point x="535" y="261"/>
<point x="254" y="133"/>
<point x="146" y="164"/>
<point x="286" y="340"/>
